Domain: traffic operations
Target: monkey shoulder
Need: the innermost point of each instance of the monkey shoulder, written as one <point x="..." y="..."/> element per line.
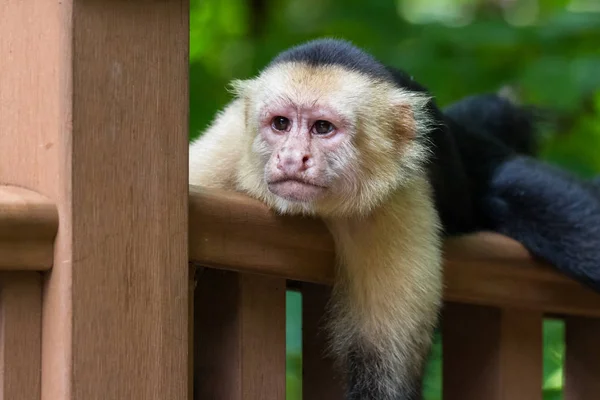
<point x="214" y="156"/>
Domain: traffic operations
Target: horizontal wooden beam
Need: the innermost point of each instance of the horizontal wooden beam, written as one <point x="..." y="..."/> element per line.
<point x="28" y="226"/>
<point x="232" y="231"/>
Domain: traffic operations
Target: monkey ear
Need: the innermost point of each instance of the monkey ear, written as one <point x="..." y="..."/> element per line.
<point x="410" y="113"/>
<point x="406" y="124"/>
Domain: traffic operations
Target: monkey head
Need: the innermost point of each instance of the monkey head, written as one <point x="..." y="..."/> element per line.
<point x="326" y="140"/>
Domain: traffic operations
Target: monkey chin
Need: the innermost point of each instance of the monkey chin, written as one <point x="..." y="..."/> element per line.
<point x="296" y="191"/>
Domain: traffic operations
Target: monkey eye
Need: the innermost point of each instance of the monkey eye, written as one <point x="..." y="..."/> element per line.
<point x="323" y="127"/>
<point x="280" y="123"/>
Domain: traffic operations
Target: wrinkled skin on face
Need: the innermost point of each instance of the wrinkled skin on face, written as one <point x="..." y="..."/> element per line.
<point x="302" y="139"/>
<point x="319" y="146"/>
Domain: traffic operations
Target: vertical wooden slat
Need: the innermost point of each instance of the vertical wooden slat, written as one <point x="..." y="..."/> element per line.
<point x="470" y="339"/>
<point x="320" y="379"/>
<point x="491" y="354"/>
<point x="582" y="366"/>
<point x="239" y="337"/>
<point x="522" y="355"/>
<point x="94" y="112"/>
<point x="35" y="101"/>
<point x="191" y="291"/>
<point x="20" y="335"/>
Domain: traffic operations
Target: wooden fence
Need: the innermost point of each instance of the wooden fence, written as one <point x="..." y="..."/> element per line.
<point x="98" y="226"/>
<point x="496" y="298"/>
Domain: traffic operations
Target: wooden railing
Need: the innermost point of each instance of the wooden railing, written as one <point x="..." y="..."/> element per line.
<point x="246" y="257"/>
<point x="94" y="134"/>
<point x="94" y="116"/>
<point x="496" y="298"/>
<point x="28" y="226"/>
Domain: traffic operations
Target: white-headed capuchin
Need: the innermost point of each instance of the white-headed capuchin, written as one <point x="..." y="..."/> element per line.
<point x="326" y="130"/>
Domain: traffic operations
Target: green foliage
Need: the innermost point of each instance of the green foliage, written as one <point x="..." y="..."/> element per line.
<point x="432" y="384"/>
<point x="547" y="49"/>
<point x="554" y="354"/>
<point x="463" y="49"/>
<point x="293" y="381"/>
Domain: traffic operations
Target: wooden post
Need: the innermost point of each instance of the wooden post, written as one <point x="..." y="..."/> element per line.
<point x="94" y="116"/>
<point x="582" y="366"/>
<point x="239" y="336"/>
<point x="491" y="354"/>
<point x="20" y="335"/>
<point x="320" y="380"/>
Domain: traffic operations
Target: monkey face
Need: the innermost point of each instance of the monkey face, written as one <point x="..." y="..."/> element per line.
<point x="304" y="142"/>
<point x="323" y="140"/>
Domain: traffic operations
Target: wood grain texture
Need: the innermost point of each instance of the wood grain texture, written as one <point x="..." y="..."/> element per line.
<point x="20" y="335"/>
<point x="491" y="354"/>
<point x="28" y="226"/>
<point x="231" y="231"/>
<point x="94" y="112"/>
<point x="582" y="361"/>
<point x="490" y="269"/>
<point x="35" y="115"/>
<point x="190" y="322"/>
<point x="320" y="379"/>
<point x="129" y="199"/>
<point x="239" y="337"/>
<point x="521" y="350"/>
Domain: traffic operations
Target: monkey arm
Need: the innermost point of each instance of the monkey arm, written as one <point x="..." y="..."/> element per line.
<point x="555" y="215"/>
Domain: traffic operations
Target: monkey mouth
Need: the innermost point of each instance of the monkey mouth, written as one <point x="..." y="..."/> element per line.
<point x="297" y="190"/>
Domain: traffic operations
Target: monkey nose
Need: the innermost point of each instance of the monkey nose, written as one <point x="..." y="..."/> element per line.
<point x="293" y="162"/>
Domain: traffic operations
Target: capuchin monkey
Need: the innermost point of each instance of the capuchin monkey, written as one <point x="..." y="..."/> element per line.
<point x="325" y="130"/>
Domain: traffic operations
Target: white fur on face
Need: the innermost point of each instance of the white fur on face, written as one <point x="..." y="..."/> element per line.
<point x="374" y="152"/>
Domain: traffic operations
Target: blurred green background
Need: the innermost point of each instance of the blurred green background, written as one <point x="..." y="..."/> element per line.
<point x="549" y="50"/>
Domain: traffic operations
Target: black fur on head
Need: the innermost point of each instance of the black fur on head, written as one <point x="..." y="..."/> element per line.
<point x="327" y="51"/>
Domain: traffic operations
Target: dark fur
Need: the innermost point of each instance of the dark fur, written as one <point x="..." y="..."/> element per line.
<point x="484" y="178"/>
<point x="363" y="376"/>
<point x="322" y="52"/>
<point x="495" y="116"/>
<point x="553" y="213"/>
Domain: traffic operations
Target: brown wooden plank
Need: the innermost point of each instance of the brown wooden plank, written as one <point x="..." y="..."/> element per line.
<point x="34" y="97"/>
<point x="522" y="355"/>
<point x="94" y="116"/>
<point x="129" y="199"/>
<point x="191" y="291"/>
<point x="35" y="112"/>
<point x="231" y="231"/>
<point x="491" y="354"/>
<point x="582" y="365"/>
<point x="240" y="233"/>
<point x="28" y="226"/>
<point x="470" y="338"/>
<point x="239" y="337"/>
<point x="20" y="335"/>
<point x="491" y="269"/>
<point x="320" y="379"/>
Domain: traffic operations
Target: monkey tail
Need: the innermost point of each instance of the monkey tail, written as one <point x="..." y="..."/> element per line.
<point x="500" y="115"/>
